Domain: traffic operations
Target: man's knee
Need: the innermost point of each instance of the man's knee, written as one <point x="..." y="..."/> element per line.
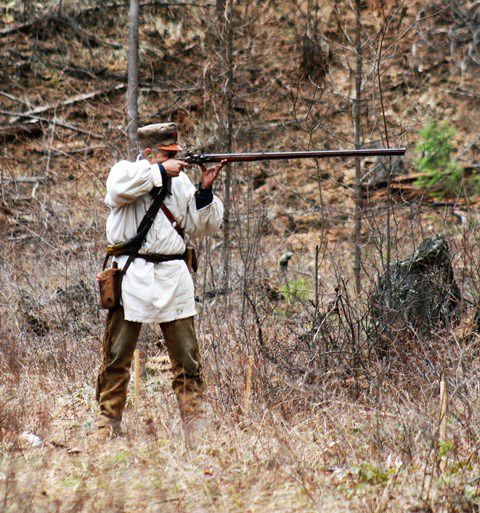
<point x="120" y="339"/>
<point x="182" y="346"/>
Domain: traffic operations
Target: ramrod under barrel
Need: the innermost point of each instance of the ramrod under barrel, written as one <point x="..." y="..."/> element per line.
<point x="202" y="158"/>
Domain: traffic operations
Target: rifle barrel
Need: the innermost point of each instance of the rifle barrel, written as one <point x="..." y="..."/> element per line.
<point x="285" y="155"/>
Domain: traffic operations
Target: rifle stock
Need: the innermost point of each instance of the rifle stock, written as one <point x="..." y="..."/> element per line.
<point x="203" y="158"/>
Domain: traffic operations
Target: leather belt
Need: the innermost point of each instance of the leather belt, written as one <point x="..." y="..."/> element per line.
<point x="156" y="258"/>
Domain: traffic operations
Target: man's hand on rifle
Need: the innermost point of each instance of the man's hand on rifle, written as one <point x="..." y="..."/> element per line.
<point x="210" y="175"/>
<point x="174" y="166"/>
<point x="167" y="158"/>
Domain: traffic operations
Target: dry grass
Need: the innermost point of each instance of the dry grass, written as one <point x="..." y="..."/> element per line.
<point x="350" y="437"/>
<point x="342" y="456"/>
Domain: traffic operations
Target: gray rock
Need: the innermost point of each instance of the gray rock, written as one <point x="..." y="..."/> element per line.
<point x="424" y="295"/>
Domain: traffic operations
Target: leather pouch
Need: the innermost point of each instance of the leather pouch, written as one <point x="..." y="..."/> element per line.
<point x="191" y="259"/>
<point x="109" y="283"/>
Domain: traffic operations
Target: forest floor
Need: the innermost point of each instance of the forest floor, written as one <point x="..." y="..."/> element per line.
<point x="332" y="426"/>
<point x="337" y="456"/>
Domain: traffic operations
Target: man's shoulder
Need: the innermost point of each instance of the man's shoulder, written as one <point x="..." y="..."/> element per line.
<point x="121" y="163"/>
<point x="125" y="164"/>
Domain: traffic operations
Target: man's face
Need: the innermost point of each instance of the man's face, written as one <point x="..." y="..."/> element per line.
<point x="158" y="154"/>
<point x="170" y="154"/>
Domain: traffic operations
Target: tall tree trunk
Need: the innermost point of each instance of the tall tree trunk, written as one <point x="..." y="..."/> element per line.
<point x="220" y="7"/>
<point x="229" y="141"/>
<point x="132" y="89"/>
<point x="358" y="134"/>
<point x="388" y="235"/>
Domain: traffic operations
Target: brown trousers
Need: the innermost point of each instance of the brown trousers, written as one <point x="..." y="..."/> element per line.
<point x="119" y="344"/>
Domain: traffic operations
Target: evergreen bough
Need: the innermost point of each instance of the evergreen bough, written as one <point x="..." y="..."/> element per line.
<point x="443" y="175"/>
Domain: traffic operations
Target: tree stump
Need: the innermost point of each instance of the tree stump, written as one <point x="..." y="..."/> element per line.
<point x="315" y="58"/>
<point x="423" y="295"/>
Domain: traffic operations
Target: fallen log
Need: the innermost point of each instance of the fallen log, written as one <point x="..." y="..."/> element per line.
<point x="25" y="26"/>
<point x="24" y="179"/>
<point x="22" y="27"/>
<point x="406" y="188"/>
<point x="11" y="132"/>
<point x="404" y="194"/>
<point x="70" y="101"/>
<point x="381" y="184"/>
<point x="13" y="98"/>
<point x="149" y="3"/>
<point x="463" y="92"/>
<point x="147" y="89"/>
<point x="65" y="153"/>
<point x="58" y="122"/>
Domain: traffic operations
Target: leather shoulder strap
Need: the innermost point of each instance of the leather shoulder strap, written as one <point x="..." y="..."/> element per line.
<point x="172" y="220"/>
<point x="146" y="223"/>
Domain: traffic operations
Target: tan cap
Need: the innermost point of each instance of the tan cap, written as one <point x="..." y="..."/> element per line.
<point x="159" y="135"/>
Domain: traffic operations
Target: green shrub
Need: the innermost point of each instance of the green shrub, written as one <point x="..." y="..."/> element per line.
<point x="295" y="289"/>
<point x="442" y="173"/>
<point x="373" y="475"/>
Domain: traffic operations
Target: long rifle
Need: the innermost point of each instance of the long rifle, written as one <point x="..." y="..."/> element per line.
<point x="203" y="158"/>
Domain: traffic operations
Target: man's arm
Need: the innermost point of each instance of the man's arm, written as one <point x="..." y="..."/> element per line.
<point x="204" y="209"/>
<point x="128" y="181"/>
<point x="204" y="194"/>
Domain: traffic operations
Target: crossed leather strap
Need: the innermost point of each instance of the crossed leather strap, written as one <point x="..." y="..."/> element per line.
<point x="172" y="220"/>
<point x="159" y="195"/>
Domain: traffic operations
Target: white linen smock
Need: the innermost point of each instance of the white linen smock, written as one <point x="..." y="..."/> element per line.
<point x="160" y="292"/>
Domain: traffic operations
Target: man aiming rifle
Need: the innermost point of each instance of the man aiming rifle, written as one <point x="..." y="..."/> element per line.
<point x="150" y="279"/>
<point x="158" y="286"/>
